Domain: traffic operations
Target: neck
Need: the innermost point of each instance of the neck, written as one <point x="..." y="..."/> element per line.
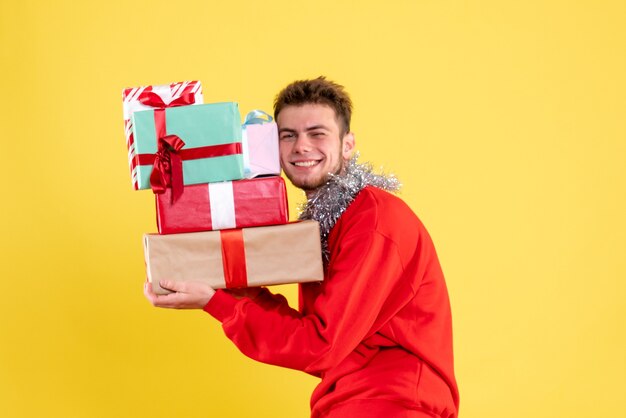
<point x="326" y="203"/>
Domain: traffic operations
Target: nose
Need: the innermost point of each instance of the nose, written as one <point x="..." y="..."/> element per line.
<point x="301" y="145"/>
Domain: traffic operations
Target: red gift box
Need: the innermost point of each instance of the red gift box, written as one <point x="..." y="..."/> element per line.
<point x="223" y="205"/>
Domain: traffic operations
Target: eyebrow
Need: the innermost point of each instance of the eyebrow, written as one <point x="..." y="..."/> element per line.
<point x="314" y="127"/>
<point x="310" y="128"/>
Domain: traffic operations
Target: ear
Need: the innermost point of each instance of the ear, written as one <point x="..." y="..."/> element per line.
<point x="348" y="145"/>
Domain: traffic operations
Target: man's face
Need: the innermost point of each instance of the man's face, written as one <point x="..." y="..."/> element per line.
<point x="311" y="145"/>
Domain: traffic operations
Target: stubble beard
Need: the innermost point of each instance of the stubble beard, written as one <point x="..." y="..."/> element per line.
<point x="314" y="184"/>
<point x="310" y="186"/>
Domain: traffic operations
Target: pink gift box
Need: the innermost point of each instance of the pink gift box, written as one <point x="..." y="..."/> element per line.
<point x="260" y="145"/>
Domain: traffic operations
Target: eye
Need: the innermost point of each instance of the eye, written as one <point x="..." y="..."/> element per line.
<point x="286" y="136"/>
<point x="318" y="134"/>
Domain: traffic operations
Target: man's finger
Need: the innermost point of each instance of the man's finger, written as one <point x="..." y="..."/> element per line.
<point x="171" y="300"/>
<point x="161" y="301"/>
<point x="172" y="285"/>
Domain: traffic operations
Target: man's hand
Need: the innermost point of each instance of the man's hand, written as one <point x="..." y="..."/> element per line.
<point x="187" y="295"/>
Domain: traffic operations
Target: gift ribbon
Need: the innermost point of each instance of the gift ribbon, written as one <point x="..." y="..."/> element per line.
<point x="208" y="151"/>
<point x="234" y="258"/>
<point x="152" y="99"/>
<point x="257" y="117"/>
<point x="222" y="205"/>
<point x="167" y="169"/>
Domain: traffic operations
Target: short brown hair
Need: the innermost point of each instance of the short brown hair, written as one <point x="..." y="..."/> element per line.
<point x="319" y="91"/>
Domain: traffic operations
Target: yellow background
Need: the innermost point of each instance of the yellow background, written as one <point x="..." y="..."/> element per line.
<point x="505" y="120"/>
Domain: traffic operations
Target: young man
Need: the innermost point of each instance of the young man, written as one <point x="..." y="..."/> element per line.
<point x="377" y="330"/>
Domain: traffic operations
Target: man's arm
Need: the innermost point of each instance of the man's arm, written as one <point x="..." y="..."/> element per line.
<point x="195" y="295"/>
<point x="348" y="309"/>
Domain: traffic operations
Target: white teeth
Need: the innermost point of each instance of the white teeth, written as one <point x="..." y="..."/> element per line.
<point x="305" y="163"/>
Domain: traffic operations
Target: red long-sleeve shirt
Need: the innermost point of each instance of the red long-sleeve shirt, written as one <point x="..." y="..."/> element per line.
<point x="377" y="330"/>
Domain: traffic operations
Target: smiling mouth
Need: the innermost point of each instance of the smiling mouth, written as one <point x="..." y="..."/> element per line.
<point x="305" y="163"/>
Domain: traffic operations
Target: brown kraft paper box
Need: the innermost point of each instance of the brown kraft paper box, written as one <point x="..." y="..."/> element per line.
<point x="277" y="254"/>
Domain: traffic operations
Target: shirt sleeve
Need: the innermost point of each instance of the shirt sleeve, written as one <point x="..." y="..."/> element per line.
<point x="364" y="271"/>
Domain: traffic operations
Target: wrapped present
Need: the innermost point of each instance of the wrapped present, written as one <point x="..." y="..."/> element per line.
<point x="260" y="145"/>
<point x="224" y="205"/>
<point x="237" y="258"/>
<point x="187" y="145"/>
<point x="159" y="96"/>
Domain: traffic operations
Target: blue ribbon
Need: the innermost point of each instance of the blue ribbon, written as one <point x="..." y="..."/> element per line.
<point x="257" y="117"/>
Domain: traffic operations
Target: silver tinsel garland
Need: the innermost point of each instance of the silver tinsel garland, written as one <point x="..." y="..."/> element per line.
<point x="328" y="203"/>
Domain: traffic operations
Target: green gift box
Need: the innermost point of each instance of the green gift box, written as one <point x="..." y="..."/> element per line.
<point x="211" y="133"/>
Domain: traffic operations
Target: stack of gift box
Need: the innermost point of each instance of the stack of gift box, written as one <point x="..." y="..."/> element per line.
<point x="221" y="205"/>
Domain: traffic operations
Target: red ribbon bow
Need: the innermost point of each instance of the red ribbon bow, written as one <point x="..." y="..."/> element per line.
<point x="152" y="99"/>
<point x="168" y="166"/>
